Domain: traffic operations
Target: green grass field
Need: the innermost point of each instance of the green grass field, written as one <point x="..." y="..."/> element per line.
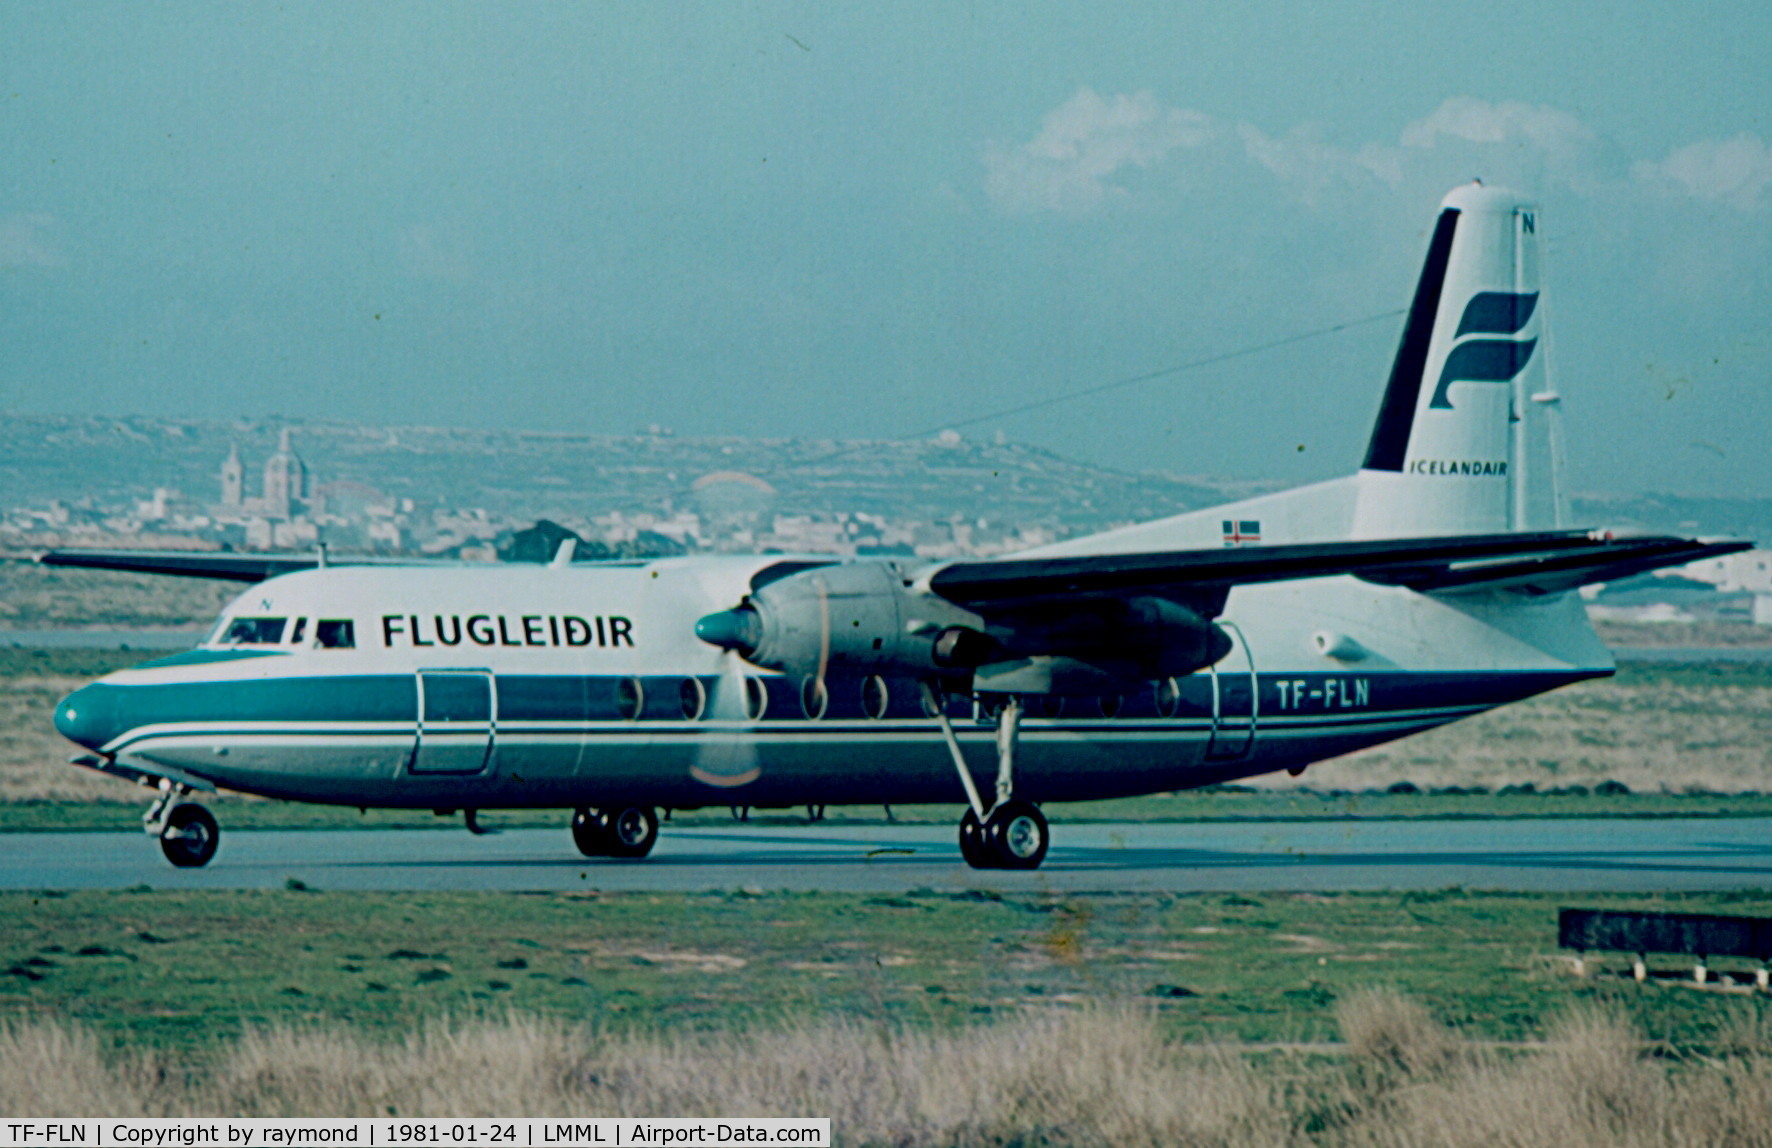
<point x="186" y="970"/>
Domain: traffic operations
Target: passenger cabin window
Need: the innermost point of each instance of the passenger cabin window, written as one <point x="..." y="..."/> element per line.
<point x="254" y="632"/>
<point x="875" y="700"/>
<point x="694" y="697"/>
<point x="335" y="634"/>
<point x="630" y="699"/>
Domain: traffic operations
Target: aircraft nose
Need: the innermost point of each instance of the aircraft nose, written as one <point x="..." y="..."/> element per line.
<point x="88" y="716"/>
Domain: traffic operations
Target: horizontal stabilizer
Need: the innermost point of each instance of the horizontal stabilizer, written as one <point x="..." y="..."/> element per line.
<point x="1554" y="574"/>
<point x="1542" y="563"/>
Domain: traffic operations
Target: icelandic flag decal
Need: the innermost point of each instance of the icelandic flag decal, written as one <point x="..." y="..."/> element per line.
<point x="1241" y="533"/>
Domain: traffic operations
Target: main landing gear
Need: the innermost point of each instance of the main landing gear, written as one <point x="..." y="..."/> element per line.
<point x="1011" y="834"/>
<point x="629" y="832"/>
<point x="188" y="833"/>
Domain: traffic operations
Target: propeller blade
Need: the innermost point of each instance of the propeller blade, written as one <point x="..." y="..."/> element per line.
<point x="726" y="755"/>
<point x="822" y="695"/>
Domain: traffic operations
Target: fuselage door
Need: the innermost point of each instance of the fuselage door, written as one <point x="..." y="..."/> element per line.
<point x="1234" y="700"/>
<point x="456" y="709"/>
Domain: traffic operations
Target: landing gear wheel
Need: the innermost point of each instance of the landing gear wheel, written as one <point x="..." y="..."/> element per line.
<point x="1016" y="836"/>
<point x="972" y="846"/>
<point x="190" y="837"/>
<point x="588" y="833"/>
<point x="630" y="832"/>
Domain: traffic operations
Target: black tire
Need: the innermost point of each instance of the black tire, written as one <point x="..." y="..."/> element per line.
<point x="1016" y="836"/>
<point x="972" y="846"/>
<point x="190" y="837"/>
<point x="630" y="832"/>
<point x="589" y="834"/>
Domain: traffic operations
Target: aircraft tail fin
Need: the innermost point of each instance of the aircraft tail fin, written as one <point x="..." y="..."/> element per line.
<point x="1465" y="439"/>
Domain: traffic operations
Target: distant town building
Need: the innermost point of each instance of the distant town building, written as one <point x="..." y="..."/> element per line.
<point x="288" y="490"/>
<point x="385" y="535"/>
<point x="1749" y="572"/>
<point x="157" y="508"/>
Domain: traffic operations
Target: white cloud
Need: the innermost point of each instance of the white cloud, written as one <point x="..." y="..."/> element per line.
<point x="1481" y="122"/>
<point x="23" y="242"/>
<point x="1303" y="159"/>
<point x="1732" y="171"/>
<point x="1084" y="144"/>
<point x="1534" y="146"/>
<point x="1089" y="146"/>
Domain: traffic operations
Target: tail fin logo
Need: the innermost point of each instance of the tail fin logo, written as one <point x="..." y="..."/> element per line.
<point x="1488" y="360"/>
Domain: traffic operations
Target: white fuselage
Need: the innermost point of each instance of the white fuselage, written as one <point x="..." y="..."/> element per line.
<point x="583" y="685"/>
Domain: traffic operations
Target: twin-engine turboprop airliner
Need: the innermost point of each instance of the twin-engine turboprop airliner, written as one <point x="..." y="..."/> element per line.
<point x="1435" y="583"/>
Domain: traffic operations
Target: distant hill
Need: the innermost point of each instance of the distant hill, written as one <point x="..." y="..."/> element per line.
<point x="537" y="474"/>
<point x="527" y="474"/>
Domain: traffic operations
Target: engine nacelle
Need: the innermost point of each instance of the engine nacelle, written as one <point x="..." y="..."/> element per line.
<point x="1098" y="645"/>
<point x="866" y="618"/>
<point x="849" y="618"/>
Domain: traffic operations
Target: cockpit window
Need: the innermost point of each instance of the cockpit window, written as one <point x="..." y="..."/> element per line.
<point x="301" y="625"/>
<point x="335" y="634"/>
<point x="254" y="632"/>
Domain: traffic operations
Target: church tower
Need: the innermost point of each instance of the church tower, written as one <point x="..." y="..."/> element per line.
<point x="233" y="478"/>
<point x="286" y="481"/>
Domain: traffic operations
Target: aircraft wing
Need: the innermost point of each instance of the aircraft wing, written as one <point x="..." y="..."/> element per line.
<point x="223" y="565"/>
<point x="1541" y="563"/>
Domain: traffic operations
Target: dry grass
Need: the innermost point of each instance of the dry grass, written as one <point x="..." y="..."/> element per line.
<point x="1692" y="635"/>
<point x="36" y="597"/>
<point x="1592" y="1085"/>
<point x="1653" y="735"/>
<point x="33" y="756"/>
<point x="1097" y="1076"/>
<point x="1394" y="1033"/>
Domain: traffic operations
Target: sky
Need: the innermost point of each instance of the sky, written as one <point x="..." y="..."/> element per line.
<point x="870" y="221"/>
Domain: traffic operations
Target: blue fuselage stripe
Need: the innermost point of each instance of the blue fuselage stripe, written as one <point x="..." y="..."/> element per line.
<point x="592" y="706"/>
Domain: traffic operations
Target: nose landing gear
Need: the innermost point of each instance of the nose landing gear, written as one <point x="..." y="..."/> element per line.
<point x="190" y="837"/>
<point x="187" y="832"/>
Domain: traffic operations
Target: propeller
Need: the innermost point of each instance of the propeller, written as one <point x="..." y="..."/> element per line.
<point x="726" y="754"/>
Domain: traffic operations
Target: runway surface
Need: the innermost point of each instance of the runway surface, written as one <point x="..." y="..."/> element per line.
<point x="1558" y="855"/>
